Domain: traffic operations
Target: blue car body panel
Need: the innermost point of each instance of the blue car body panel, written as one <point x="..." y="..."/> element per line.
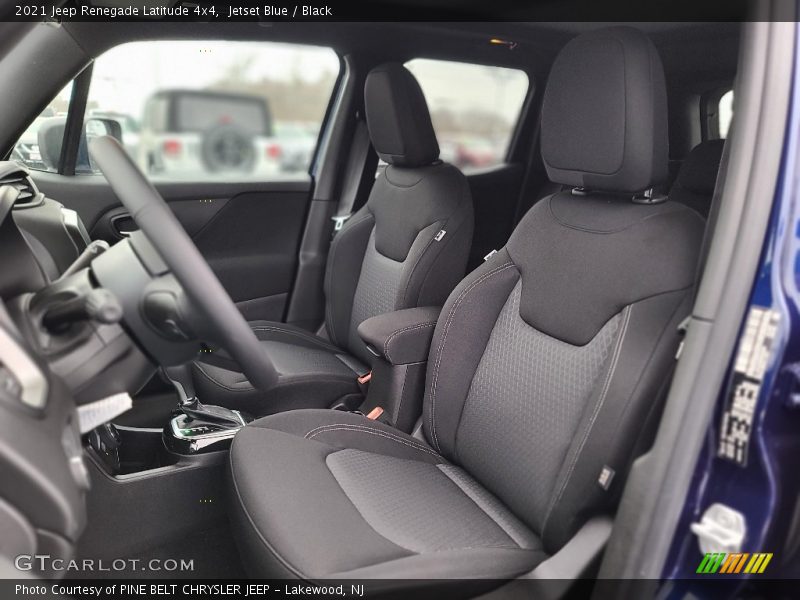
<point x="762" y="481"/>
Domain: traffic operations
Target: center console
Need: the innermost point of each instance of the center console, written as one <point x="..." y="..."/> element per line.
<point x="186" y="436"/>
<point x="177" y="472"/>
<point x="400" y="341"/>
<point x="197" y="427"/>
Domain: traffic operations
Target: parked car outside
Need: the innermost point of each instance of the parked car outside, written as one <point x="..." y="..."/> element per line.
<point x="26" y="151"/>
<point x="188" y="132"/>
<point x="293" y="145"/>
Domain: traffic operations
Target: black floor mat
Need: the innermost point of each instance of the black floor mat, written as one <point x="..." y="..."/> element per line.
<point x="212" y="553"/>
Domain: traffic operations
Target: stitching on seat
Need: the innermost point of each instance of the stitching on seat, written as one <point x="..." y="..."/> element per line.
<point x="598" y="407"/>
<point x="450" y="316"/>
<point x="403" y="330"/>
<point x="361" y="429"/>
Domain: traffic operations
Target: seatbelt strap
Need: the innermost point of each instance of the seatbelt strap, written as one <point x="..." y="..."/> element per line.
<point x="708" y="235"/>
<point x="713" y="214"/>
<point x="360" y="170"/>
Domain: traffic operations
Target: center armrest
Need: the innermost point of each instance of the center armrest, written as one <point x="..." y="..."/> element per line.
<point x="401" y="337"/>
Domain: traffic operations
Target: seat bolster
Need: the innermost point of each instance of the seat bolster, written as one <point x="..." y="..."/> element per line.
<point x="272" y="331"/>
<point x="468" y="565"/>
<point x="343" y="270"/>
<point x="311" y="373"/>
<point x="339" y="429"/>
<point x="290" y="513"/>
<point x="460" y="338"/>
<point x="622" y="415"/>
<point x="308" y="486"/>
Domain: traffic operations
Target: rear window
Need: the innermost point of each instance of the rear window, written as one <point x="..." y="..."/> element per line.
<point x="474" y="108"/>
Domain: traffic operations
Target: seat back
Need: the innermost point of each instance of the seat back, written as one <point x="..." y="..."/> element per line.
<point x="408" y="246"/>
<point x="697" y="177"/>
<point x="547" y="359"/>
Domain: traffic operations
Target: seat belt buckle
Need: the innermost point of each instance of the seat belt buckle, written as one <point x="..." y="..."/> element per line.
<point x="363" y="382"/>
<point x="374" y="414"/>
<point x="379" y="415"/>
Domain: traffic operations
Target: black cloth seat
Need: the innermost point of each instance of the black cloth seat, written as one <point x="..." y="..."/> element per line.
<point x="697" y="177"/>
<point x="339" y="495"/>
<point x="545" y="363"/>
<point x="407" y="247"/>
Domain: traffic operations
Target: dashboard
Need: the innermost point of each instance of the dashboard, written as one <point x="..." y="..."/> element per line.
<point x="63" y="348"/>
<point x="42" y="491"/>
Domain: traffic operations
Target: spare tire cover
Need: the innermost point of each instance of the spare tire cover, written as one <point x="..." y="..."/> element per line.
<point x="228" y="148"/>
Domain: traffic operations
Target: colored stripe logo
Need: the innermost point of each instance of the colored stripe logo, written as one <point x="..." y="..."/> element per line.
<point x="731" y="564"/>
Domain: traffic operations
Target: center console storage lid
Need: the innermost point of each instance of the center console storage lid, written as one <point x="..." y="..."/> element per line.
<point x="403" y="336"/>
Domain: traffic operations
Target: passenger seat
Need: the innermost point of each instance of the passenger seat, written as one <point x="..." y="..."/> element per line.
<point x="407" y="247"/>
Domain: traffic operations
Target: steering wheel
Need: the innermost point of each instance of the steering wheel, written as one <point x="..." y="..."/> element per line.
<point x="224" y="322"/>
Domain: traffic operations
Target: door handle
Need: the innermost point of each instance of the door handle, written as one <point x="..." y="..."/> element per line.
<point x="123" y="225"/>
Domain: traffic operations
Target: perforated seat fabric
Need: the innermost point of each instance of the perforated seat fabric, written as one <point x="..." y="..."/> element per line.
<point x="407" y="247"/>
<point x="546" y="363"/>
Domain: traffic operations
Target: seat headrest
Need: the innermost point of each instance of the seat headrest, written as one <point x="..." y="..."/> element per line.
<point x="699" y="170"/>
<point x="398" y="119"/>
<point x="604" y="117"/>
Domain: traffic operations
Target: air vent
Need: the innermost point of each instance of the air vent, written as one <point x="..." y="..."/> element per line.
<point x="20" y="180"/>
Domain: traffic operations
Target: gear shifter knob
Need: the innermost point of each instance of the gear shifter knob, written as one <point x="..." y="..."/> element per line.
<point x="190" y="405"/>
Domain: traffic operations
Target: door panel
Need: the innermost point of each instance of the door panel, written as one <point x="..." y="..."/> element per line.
<point x="248" y="232"/>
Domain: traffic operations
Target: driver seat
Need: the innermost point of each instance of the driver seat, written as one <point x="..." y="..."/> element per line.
<point x="545" y="367"/>
<point x="407" y="247"/>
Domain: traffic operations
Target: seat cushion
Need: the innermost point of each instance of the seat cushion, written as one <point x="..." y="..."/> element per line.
<point x="321" y="494"/>
<point x="312" y="373"/>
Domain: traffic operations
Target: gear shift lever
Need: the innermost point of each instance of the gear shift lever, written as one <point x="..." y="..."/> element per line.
<point x="190" y="405"/>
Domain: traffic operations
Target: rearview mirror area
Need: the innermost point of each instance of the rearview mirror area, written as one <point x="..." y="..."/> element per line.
<point x="96" y="127"/>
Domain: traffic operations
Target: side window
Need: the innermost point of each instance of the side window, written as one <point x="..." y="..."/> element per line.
<point x="474" y="109"/>
<point x="50" y="122"/>
<point x="725" y="113"/>
<point x="196" y="111"/>
<point x="716" y="113"/>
